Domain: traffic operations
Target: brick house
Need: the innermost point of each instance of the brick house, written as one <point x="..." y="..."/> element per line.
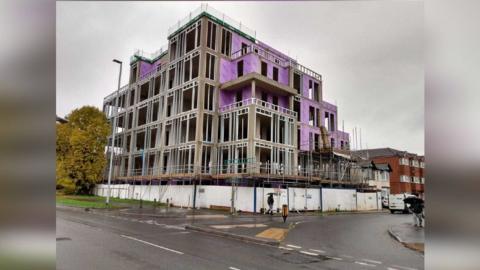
<point x="407" y="175"/>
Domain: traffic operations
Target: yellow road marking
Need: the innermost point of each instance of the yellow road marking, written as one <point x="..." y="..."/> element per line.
<point x="273" y="233"/>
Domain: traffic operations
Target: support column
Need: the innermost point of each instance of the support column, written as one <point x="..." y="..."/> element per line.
<point x="290" y="77"/>
<point x="253" y="88"/>
<point x="215" y="128"/>
<point x="297" y="147"/>
<point x="130" y="150"/>
<point x="251" y="133"/>
<point x="295" y="162"/>
<point x="200" y="99"/>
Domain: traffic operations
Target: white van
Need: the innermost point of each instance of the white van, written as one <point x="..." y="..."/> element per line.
<point x="395" y="202"/>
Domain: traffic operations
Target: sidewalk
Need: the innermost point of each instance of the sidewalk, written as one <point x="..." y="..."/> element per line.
<point x="410" y="236"/>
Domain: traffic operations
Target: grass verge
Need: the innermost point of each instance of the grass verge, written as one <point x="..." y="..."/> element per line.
<point x="90" y="201"/>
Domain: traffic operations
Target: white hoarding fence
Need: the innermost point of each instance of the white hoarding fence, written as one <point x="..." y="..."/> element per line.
<point x="249" y="198"/>
<point x="339" y="199"/>
<point x="368" y="201"/>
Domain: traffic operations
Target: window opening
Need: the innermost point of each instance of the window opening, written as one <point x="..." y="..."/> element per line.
<point x="210" y="67"/>
<point x="297" y="82"/>
<point x="238" y="96"/>
<point x="240" y="68"/>
<point x="190" y="41"/>
<point x="275" y="73"/>
<point x="264" y="69"/>
<point x="226" y="42"/>
<point x="211" y="35"/>
<point x="195" y="66"/>
<point x="142" y="116"/>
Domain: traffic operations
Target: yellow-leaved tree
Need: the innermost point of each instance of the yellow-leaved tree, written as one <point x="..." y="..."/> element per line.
<point x="81" y="150"/>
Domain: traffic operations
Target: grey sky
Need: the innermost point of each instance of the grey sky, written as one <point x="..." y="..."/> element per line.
<point x="370" y="54"/>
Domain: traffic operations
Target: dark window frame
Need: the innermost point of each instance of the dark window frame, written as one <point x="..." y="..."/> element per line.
<point x="275" y="74"/>
<point x="264" y="69"/>
<point x="240" y="68"/>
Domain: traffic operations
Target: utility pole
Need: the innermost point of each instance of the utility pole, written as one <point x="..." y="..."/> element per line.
<point x="353" y="139"/>
<point x="110" y="171"/>
<point x="361" y="146"/>
<point x="356" y="139"/>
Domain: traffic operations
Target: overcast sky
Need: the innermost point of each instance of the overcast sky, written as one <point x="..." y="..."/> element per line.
<point x="370" y="54"/>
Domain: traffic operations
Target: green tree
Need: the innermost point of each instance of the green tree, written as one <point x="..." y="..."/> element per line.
<point x="81" y="150"/>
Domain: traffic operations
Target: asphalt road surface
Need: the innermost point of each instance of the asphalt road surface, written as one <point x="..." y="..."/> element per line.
<point x="358" y="239"/>
<point x="103" y="241"/>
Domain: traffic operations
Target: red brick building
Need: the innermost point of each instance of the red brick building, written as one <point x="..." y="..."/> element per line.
<point x="407" y="169"/>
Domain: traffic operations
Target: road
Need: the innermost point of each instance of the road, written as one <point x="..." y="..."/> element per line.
<point x="361" y="239"/>
<point x="103" y="241"/>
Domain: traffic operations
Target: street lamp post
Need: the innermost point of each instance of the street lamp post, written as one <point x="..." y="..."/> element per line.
<point x="110" y="171"/>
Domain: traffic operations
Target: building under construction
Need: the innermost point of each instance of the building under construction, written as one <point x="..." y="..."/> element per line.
<point x="217" y="104"/>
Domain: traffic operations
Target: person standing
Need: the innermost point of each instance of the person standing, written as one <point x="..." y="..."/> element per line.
<point x="416" y="207"/>
<point x="270" y="202"/>
<point x="417" y="210"/>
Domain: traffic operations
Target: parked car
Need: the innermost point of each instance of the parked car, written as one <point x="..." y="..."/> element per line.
<point x="396" y="204"/>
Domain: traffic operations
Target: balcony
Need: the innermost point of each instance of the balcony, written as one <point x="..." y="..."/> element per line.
<point x="263" y="104"/>
<point x="265" y="54"/>
<point x="260" y="81"/>
<point x="261" y="53"/>
<point x="305" y="70"/>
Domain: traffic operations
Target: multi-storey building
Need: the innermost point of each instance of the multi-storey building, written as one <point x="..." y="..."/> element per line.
<point x="217" y="101"/>
<point x="407" y="174"/>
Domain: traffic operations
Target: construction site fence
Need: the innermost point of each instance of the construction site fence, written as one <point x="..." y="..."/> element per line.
<point x="249" y="199"/>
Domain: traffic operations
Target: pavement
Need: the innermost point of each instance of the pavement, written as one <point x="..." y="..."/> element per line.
<point x="409" y="235"/>
<point x="159" y="238"/>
